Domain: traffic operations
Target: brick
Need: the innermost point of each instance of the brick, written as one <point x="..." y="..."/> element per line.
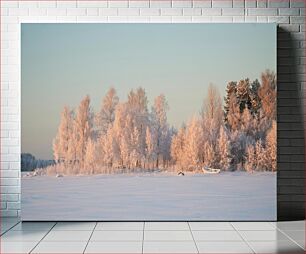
<point x="261" y="12"/>
<point x="172" y="11"/>
<point x="128" y="12"/>
<point x="92" y="4"/>
<point x="76" y="11"/>
<point x="9" y="197"/>
<point x="233" y="11"/>
<point x="182" y="3"/>
<point x="278" y="3"/>
<point x="66" y="4"/>
<point x="262" y="3"/>
<point x="202" y="3"/>
<point x="222" y="19"/>
<point x="108" y="11"/>
<point x="57" y="12"/>
<point x="47" y="4"/>
<point x="222" y="3"/>
<point x="288" y="11"/>
<point x="37" y="11"/>
<point x="18" y="12"/>
<point x="297" y="3"/>
<point x="150" y="12"/>
<point x="238" y="3"/>
<point x="92" y="11"/>
<point x="250" y="3"/>
<point x="118" y="4"/>
<point x="160" y="4"/>
<point x="192" y="11"/>
<point x="279" y="19"/>
<point x="139" y="4"/>
<point x="160" y="19"/>
<point x="181" y="19"/>
<point x="297" y="20"/>
<point x="211" y="11"/>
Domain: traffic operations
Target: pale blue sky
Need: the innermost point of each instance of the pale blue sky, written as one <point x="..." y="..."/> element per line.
<point x="61" y="63"/>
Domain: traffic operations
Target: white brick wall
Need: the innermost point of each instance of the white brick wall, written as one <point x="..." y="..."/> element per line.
<point x="289" y="13"/>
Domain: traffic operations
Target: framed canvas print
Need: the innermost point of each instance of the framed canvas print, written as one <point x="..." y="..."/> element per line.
<point x="149" y="122"/>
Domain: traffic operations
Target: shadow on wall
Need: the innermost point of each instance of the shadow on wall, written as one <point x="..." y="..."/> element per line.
<point x="290" y="124"/>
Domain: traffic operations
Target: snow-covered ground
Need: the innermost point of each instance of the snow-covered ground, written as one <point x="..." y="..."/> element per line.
<point x="160" y="196"/>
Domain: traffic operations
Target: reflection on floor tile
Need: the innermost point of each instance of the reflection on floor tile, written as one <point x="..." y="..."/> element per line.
<point x="99" y="236"/>
<point x="169" y="247"/>
<point x="164" y="235"/>
<point x="67" y="236"/>
<point x="253" y="226"/>
<point x="17" y="247"/>
<point x="120" y="226"/>
<point x="276" y="247"/>
<point x="216" y="236"/>
<point x="291" y="225"/>
<point x="63" y="226"/>
<point x="22" y="236"/>
<point x="111" y="247"/>
<point x="211" y="226"/>
<point x="33" y="226"/>
<point x="60" y="247"/>
<point x="166" y="226"/>
<point x="223" y="247"/>
<point x="273" y="235"/>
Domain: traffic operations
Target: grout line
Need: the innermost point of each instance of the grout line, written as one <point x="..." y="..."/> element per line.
<point x="42" y="238"/>
<point x="246" y="242"/>
<point x="193" y="237"/>
<point x="290" y="238"/>
<point x="143" y="232"/>
<point x="10" y="228"/>
<point x="90" y="237"/>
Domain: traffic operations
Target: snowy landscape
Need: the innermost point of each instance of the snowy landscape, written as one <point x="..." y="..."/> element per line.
<point x="149" y="122"/>
<point x="163" y="196"/>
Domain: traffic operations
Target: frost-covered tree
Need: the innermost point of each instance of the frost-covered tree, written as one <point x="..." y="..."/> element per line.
<point x="178" y="147"/>
<point x="230" y="90"/>
<point x="160" y="124"/>
<point x="271" y="148"/>
<point x="106" y="116"/>
<point x="193" y="142"/>
<point x="83" y="128"/>
<point x="151" y="145"/>
<point x="209" y="155"/>
<point x="250" y="164"/>
<point x="224" y="150"/>
<point x="64" y="132"/>
<point x="90" y="159"/>
<point x="261" y="156"/>
<point x="267" y="94"/>
<point x="233" y="115"/>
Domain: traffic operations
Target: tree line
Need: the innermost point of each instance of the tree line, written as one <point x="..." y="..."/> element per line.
<point x="238" y="134"/>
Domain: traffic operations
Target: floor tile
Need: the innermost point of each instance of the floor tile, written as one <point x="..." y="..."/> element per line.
<point x="216" y="236"/>
<point x="114" y="247"/>
<point x="168" y="235"/>
<point x="297" y="236"/>
<point x="276" y="247"/>
<point x="211" y="226"/>
<point x="17" y="247"/>
<point x="169" y="247"/>
<point x="119" y="226"/>
<point x="166" y="226"/>
<point x="291" y="225"/>
<point x="253" y="226"/>
<point x="223" y="247"/>
<point x="68" y="236"/>
<point x="22" y="236"/>
<point x="33" y="226"/>
<point x="273" y="235"/>
<point x="99" y="236"/>
<point x="60" y="247"/>
<point x="63" y="226"/>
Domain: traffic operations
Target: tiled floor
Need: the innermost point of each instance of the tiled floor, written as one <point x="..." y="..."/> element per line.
<point x="152" y="237"/>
